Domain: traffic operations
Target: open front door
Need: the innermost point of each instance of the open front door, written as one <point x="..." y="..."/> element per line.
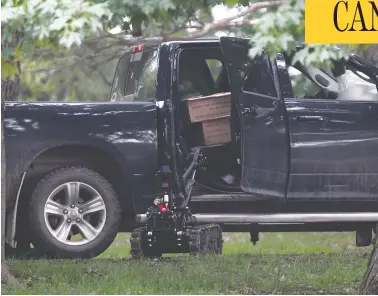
<point x="264" y="135"/>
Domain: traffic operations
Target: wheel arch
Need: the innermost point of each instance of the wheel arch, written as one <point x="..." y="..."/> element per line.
<point x="107" y="161"/>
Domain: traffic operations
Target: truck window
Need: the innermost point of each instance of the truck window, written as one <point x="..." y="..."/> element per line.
<point x="303" y="87"/>
<point x="215" y="67"/>
<point x="201" y="72"/>
<point x="119" y="81"/>
<point x="260" y="78"/>
<point x="135" y="78"/>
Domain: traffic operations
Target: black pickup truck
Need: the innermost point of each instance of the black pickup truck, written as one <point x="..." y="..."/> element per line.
<point x="302" y="155"/>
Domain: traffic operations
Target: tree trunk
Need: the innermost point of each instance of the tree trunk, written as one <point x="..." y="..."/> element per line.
<point x="10" y="88"/>
<point x="369" y="284"/>
<point x="6" y="277"/>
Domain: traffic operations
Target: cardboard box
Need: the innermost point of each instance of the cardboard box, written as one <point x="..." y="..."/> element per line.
<point x="208" y="107"/>
<point x="216" y="131"/>
<point x="207" y="133"/>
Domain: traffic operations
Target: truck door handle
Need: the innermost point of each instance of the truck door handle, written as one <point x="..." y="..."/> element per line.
<point x="310" y="118"/>
<point x="249" y="110"/>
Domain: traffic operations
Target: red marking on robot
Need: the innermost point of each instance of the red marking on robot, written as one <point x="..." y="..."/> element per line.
<point x="162" y="208"/>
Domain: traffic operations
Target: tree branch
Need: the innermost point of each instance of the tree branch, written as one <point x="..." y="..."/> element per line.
<point x="207" y="29"/>
<point x="122" y="40"/>
<point x="225" y="23"/>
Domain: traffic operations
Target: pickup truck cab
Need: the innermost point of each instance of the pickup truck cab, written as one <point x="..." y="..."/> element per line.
<point x="302" y="154"/>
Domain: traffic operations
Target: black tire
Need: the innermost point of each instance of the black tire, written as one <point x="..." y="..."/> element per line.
<point x="364" y="237"/>
<point x="205" y="239"/>
<point x="43" y="239"/>
<point x="138" y="248"/>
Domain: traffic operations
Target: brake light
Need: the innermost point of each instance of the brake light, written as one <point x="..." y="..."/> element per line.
<point x="138" y="48"/>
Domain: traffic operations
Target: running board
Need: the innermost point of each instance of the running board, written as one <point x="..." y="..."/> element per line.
<point x="227" y="197"/>
<point x="277" y="218"/>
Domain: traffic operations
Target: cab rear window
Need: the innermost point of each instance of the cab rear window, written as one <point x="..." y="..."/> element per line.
<point x="135" y="77"/>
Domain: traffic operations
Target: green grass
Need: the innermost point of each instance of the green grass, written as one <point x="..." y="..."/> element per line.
<point x="290" y="263"/>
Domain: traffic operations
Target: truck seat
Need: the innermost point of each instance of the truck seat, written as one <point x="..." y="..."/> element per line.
<point x="222" y="84"/>
<point x="195" y="77"/>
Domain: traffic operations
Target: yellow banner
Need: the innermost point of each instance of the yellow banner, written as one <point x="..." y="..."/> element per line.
<point x="337" y="22"/>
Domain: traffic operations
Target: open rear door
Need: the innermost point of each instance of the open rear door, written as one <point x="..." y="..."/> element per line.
<point x="264" y="135"/>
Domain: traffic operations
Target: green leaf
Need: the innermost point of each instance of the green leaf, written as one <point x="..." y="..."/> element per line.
<point x="8" y="69"/>
<point x="231" y="2"/>
<point x="8" y="52"/>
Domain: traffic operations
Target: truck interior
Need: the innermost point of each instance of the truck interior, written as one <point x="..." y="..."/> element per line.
<point x="202" y="72"/>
